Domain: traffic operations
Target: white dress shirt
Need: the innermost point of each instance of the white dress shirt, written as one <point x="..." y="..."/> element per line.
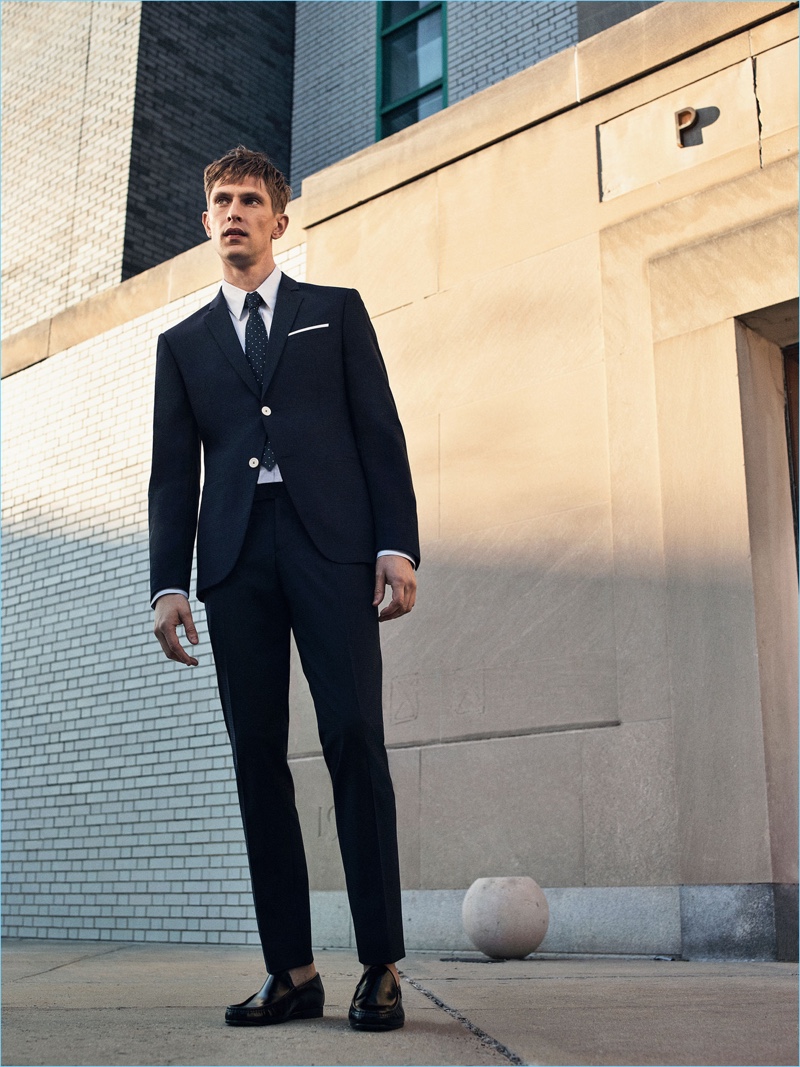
<point x="234" y="298"/>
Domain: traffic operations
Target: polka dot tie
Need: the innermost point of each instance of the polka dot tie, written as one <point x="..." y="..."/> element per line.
<point x="255" y="348"/>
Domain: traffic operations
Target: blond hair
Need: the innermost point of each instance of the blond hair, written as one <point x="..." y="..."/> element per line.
<point x="241" y="162"/>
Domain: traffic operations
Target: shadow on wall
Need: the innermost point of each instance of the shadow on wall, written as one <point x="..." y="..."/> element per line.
<point x="120" y="816"/>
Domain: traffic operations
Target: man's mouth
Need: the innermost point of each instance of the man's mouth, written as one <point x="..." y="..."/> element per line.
<point x="233" y="232"/>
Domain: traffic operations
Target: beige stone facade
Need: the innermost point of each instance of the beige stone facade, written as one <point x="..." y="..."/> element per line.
<point x="583" y="323"/>
<point x="560" y="310"/>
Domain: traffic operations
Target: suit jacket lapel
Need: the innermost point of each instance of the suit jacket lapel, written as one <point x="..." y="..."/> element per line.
<point x="286" y="306"/>
<point x="218" y="320"/>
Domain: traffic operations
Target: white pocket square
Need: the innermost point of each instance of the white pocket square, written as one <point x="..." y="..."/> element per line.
<point x="319" y="326"/>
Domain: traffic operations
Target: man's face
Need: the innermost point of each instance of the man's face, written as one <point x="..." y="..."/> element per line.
<point x="242" y="223"/>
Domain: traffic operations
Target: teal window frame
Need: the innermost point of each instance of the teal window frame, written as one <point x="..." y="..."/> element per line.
<point x="384" y="32"/>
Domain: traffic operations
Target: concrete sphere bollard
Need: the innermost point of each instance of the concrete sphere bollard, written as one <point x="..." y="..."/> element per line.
<point x="506" y="918"/>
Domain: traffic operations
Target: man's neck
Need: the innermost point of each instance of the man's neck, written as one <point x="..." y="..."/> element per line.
<point x="247" y="278"/>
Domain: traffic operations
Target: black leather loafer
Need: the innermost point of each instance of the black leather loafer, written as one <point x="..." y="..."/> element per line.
<point x="378" y="1002"/>
<point x="278" y="1001"/>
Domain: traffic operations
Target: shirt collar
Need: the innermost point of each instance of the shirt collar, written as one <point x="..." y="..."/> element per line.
<point x="234" y="297"/>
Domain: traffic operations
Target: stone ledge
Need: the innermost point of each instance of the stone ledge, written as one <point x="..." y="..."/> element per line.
<point x="152" y="289"/>
<point x="653" y="39"/>
<point x="696" y="922"/>
<point x="659" y="36"/>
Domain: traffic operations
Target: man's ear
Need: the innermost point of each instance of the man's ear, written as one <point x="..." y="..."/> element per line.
<point x="206" y="227"/>
<point x="279" y="229"/>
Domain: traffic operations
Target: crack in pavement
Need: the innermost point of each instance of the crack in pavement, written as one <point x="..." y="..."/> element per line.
<point x="69" y="963"/>
<point x="483" y="1037"/>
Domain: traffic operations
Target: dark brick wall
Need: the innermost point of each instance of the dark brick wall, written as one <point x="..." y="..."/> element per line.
<point x="334" y="83"/>
<point x="489" y="41"/>
<point x="597" y="15"/>
<point x="210" y="75"/>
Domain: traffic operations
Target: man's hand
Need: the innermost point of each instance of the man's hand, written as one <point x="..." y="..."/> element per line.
<point x="397" y="572"/>
<point x="171" y="611"/>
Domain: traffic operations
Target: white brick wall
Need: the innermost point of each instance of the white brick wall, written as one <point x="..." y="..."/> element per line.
<point x="119" y="808"/>
<point x="69" y="79"/>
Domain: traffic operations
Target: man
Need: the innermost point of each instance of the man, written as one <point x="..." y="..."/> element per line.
<point x="307" y="514"/>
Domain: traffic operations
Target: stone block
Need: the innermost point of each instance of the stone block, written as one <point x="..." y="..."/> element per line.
<point x="303" y="731"/>
<point x="773" y="32"/>
<point x="193" y="269"/>
<point x="501" y="807"/>
<point x="573" y="690"/>
<point x="296" y="233"/>
<point x="546" y="448"/>
<point x="542" y="185"/>
<point x="636" y="523"/>
<point x="511" y="633"/>
<point x="137" y="296"/>
<point x="728" y="922"/>
<point x="413" y="349"/>
<point x="314" y="800"/>
<point x="349" y="248"/>
<point x="432" y="920"/>
<point x="411" y="702"/>
<point x="723" y="826"/>
<point x="634" y="451"/>
<point x="517" y="102"/>
<point x="777" y="323"/>
<point x="331" y="924"/>
<point x="642" y="920"/>
<point x="23" y="349"/>
<point x="422" y="439"/>
<point x="496" y="331"/>
<point x="774" y="569"/>
<point x="629" y="805"/>
<point x="404" y="766"/>
<point x="703" y="284"/>
<point x="647" y="41"/>
<point x="665" y="79"/>
<point x="776" y="87"/>
<point x="786" y="933"/>
<point x="727" y="120"/>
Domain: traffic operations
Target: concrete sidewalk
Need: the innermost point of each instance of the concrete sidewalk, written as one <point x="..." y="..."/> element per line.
<point x="105" y="1003"/>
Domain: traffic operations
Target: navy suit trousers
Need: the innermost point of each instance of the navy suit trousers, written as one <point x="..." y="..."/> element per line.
<point x="282" y="583"/>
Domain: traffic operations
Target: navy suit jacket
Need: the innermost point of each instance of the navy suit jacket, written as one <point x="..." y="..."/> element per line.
<point x="332" y="423"/>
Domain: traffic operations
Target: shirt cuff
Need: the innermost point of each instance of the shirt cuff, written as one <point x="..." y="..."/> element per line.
<point x="395" y="552"/>
<point x="163" y="592"/>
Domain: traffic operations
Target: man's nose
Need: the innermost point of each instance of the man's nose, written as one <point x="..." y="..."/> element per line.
<point x="233" y="211"/>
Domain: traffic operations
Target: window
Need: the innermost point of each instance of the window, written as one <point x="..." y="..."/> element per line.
<point x="412" y="82"/>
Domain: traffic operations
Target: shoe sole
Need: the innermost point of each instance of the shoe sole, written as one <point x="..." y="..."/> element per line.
<point x="307" y="1013"/>
<point x="388" y="1024"/>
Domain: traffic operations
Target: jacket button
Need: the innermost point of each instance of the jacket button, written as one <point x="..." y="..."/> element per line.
<point x="266" y="411"/>
<point x="253" y="462"/>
